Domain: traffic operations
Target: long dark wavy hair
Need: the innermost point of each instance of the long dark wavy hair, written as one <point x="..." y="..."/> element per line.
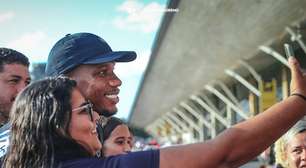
<point x="40" y="118"/>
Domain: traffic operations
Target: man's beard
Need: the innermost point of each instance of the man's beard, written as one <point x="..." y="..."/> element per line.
<point x="4" y="115"/>
<point x="106" y="113"/>
<point x="5" y="110"/>
<point x="103" y="112"/>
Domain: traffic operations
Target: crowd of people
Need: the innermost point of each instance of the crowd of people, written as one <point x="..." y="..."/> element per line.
<point x="66" y="120"/>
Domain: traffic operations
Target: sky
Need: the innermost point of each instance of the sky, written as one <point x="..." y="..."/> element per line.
<point x="33" y="26"/>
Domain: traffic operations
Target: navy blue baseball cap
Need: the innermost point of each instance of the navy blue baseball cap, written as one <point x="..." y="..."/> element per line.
<point x="81" y="49"/>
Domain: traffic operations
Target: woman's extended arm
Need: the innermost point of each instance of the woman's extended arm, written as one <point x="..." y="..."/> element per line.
<point x="245" y="140"/>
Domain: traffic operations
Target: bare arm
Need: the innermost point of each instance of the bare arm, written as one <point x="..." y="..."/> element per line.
<point x="244" y="141"/>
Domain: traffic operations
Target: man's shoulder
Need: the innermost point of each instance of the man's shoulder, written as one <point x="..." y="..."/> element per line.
<point x="6" y="127"/>
<point x="4" y="138"/>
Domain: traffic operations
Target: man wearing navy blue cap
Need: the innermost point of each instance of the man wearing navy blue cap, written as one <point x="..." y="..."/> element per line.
<point x="89" y="60"/>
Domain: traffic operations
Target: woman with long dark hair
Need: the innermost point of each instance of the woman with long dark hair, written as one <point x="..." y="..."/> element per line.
<point x="54" y="126"/>
<point x="40" y="125"/>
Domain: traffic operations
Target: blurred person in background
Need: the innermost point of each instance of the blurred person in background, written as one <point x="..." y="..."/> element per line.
<point x="14" y="77"/>
<point x="117" y="137"/>
<point x="290" y="149"/>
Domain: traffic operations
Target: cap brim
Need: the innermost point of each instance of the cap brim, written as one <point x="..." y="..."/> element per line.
<point x="116" y="56"/>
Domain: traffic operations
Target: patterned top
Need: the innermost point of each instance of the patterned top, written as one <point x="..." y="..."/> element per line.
<point x="4" y="138"/>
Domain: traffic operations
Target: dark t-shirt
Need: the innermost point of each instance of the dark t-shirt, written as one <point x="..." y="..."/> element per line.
<point x="143" y="159"/>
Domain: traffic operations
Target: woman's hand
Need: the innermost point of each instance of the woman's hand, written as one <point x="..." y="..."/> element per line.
<point x="298" y="77"/>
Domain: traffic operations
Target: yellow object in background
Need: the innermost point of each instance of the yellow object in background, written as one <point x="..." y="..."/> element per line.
<point x="268" y="94"/>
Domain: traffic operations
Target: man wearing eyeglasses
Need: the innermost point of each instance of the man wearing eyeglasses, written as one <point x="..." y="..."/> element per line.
<point x="14" y="76"/>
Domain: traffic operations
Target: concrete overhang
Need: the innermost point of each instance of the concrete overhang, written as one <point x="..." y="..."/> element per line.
<point x="196" y="44"/>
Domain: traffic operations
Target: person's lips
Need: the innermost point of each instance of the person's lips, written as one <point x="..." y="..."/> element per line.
<point x="113" y="96"/>
<point x="302" y="165"/>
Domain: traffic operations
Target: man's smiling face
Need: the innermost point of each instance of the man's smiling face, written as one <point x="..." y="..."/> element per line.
<point x="99" y="84"/>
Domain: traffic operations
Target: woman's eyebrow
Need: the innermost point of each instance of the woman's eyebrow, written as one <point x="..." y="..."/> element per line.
<point x="119" y="138"/>
<point x="83" y="104"/>
<point x="296" y="146"/>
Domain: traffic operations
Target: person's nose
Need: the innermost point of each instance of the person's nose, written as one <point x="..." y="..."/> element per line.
<point x="115" y="81"/>
<point x="303" y="155"/>
<point x="127" y="147"/>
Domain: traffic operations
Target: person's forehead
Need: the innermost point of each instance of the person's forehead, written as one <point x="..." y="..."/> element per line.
<point x="108" y="64"/>
<point x="86" y="69"/>
<point x="15" y="70"/>
<point x="97" y="66"/>
<point x="298" y="139"/>
<point x="121" y="130"/>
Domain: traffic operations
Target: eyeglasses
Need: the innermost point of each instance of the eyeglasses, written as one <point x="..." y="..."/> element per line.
<point x="88" y="107"/>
